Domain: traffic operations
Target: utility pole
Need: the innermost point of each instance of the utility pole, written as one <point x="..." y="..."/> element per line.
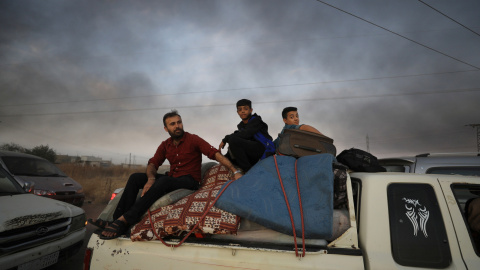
<point x="368" y="144"/>
<point x="478" y="134"/>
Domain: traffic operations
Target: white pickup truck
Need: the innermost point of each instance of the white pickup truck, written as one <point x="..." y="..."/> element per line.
<point x="36" y="232"/>
<point x="394" y="221"/>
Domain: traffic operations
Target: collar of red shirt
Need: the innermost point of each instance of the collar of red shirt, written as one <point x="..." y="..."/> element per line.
<point x="170" y="140"/>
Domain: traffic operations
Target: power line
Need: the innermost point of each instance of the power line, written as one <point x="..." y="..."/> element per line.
<point x="255" y="44"/>
<point x="420" y="135"/>
<point x="261" y="102"/>
<point x="404" y="37"/>
<point x="240" y="89"/>
<point x="407" y="137"/>
<point x="469" y="29"/>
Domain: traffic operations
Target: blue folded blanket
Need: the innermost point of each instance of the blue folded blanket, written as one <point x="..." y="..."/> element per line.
<point x="258" y="195"/>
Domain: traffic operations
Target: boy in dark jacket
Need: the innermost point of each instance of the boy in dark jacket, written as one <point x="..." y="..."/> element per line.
<point x="251" y="142"/>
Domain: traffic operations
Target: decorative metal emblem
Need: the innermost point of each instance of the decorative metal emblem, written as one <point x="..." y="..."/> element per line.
<point x="42" y="230"/>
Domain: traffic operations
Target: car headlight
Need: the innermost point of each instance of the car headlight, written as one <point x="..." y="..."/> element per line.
<point x="78" y="222"/>
<point x="42" y="192"/>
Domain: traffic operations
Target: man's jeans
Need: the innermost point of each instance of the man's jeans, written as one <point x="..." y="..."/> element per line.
<point x="132" y="209"/>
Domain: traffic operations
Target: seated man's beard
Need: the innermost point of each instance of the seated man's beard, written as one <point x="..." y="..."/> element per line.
<point x="177" y="133"/>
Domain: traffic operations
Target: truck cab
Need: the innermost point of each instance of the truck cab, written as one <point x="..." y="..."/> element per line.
<point x="413" y="220"/>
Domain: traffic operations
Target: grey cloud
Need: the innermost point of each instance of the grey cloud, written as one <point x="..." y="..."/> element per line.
<point x="130" y="57"/>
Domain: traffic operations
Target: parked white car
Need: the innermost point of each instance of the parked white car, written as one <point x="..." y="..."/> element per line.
<point x="36" y="232"/>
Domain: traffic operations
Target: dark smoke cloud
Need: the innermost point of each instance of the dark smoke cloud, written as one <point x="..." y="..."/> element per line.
<point x="95" y="77"/>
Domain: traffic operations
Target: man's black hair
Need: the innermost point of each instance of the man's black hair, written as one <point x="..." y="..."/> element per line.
<point x="244" y="102"/>
<point x="168" y="115"/>
<point x="287" y="110"/>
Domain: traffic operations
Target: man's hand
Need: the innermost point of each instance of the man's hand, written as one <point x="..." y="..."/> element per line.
<point x="147" y="186"/>
<point x="237" y="175"/>
<point x="225" y="162"/>
<point x="221" y="146"/>
<point x="151" y="174"/>
<point x="310" y="129"/>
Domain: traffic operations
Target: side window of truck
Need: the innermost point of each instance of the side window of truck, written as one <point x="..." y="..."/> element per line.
<point x="417" y="230"/>
<point x="468" y="200"/>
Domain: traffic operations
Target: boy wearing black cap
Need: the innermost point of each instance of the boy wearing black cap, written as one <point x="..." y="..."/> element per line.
<point x="251" y="142"/>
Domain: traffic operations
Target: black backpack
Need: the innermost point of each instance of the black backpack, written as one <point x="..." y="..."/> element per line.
<point x="360" y="161"/>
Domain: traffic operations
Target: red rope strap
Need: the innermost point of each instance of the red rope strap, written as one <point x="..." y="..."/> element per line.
<point x="301" y="209"/>
<point x="221" y="192"/>
<point x="290" y="211"/>
<point x="196" y="225"/>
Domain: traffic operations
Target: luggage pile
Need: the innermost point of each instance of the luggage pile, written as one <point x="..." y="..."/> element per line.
<point x="298" y="188"/>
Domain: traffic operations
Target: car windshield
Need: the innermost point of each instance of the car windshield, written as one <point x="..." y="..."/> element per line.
<point x="7" y="186"/>
<point x="31" y="167"/>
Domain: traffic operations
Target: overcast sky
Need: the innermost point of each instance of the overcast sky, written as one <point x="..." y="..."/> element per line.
<point x="96" y="77"/>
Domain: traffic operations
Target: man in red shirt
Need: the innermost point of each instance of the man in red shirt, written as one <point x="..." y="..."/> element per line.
<point x="184" y="153"/>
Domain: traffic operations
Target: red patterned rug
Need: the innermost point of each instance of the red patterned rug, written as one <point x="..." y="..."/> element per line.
<point x="186" y="213"/>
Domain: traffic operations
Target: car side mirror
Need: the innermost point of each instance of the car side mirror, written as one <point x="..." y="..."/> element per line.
<point x="29" y="187"/>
